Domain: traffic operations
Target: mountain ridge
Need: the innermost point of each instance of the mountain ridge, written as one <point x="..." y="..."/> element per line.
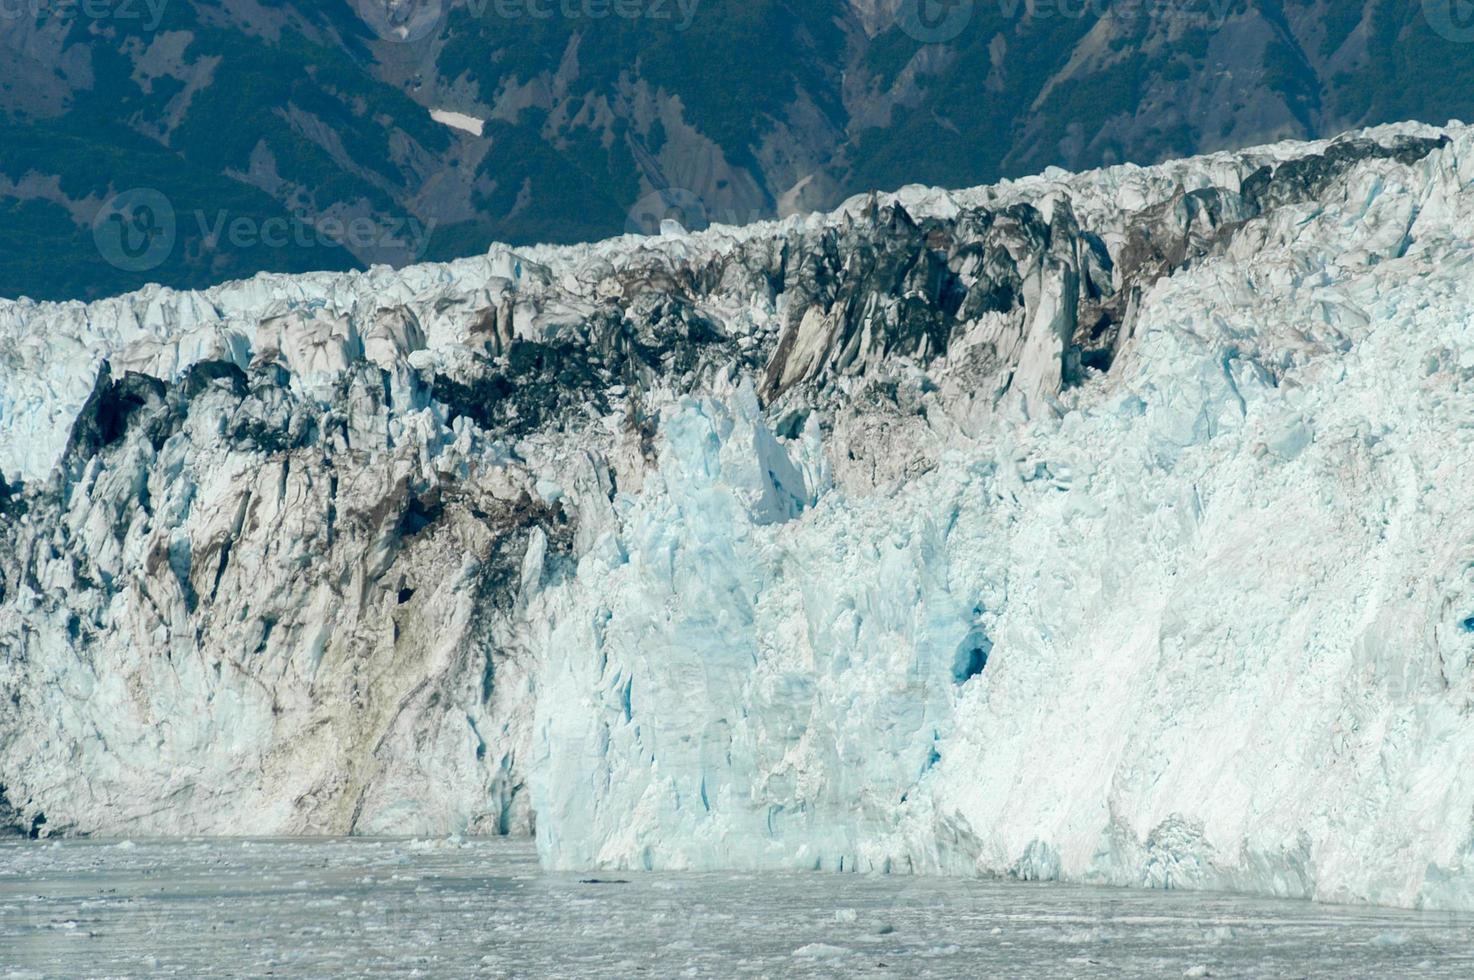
<point x="287" y="116"/>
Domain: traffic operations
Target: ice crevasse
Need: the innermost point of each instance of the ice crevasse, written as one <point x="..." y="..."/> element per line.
<point x="1109" y="527"/>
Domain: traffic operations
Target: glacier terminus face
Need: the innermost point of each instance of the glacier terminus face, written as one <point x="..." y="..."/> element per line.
<point x="1107" y="528"/>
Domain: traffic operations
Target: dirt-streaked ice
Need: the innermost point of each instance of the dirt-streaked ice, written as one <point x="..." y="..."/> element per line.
<point x="913" y="578"/>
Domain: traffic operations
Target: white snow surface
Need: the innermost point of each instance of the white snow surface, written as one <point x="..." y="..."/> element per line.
<point x="1224" y="591"/>
<point x="459" y="120"/>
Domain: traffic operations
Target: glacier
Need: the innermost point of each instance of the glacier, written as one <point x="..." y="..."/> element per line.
<point x="1103" y="527"/>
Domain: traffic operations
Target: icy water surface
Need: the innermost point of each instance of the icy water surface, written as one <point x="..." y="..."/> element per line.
<point x="482" y="908"/>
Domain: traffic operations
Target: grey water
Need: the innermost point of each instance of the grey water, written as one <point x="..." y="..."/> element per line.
<point x="351" y="908"/>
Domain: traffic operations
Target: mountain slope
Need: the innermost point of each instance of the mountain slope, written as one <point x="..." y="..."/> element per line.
<point x="290" y="137"/>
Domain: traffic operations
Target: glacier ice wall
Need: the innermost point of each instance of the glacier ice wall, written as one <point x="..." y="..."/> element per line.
<point x="1106" y="527"/>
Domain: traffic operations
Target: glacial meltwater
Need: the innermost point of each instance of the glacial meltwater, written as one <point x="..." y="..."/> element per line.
<point x="450" y="908"/>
